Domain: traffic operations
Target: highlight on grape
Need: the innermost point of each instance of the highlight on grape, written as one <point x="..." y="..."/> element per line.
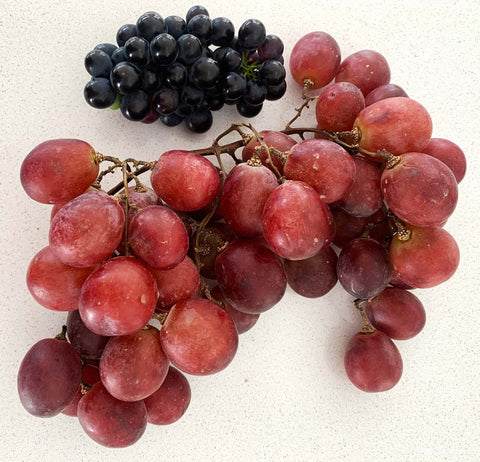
<point x="158" y="281"/>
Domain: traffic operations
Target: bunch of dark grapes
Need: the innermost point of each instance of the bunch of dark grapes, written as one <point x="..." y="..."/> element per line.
<point x="362" y="202"/>
<point x="180" y="70"/>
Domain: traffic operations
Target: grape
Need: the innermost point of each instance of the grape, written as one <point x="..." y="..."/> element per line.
<point x="204" y="72"/>
<point x="427" y="259"/>
<point x="135" y="106"/>
<point x="322" y="164"/>
<point x="194" y="10"/>
<point x="315" y="276"/>
<point x="118" y="298"/>
<point x="125" y="32"/>
<point x="171" y="120"/>
<point x="244" y="194"/>
<point x="248" y="110"/>
<point x="99" y="93"/>
<point x="243" y="321"/>
<point x="118" y="56"/>
<point x="137" y="51"/>
<point x="275" y="92"/>
<point x="191" y="96"/>
<point x="126" y="78"/>
<point x="272" y="72"/>
<point x="316" y="56"/>
<point x="365" y="196"/>
<point x="363" y="268"/>
<point x="200" y="26"/>
<point x="138" y="199"/>
<point x="87" y="229"/>
<point x="49" y="377"/>
<point x="176" y="26"/>
<point x="170" y="401"/>
<point x="88" y="344"/>
<point x="398" y="125"/>
<point x="277" y="140"/>
<point x="450" y="154"/>
<point x="54" y="285"/>
<point x="98" y="63"/>
<point x="250" y="276"/>
<point x="223" y="31"/>
<point x="366" y="69"/>
<point x="389" y="90"/>
<point x="149" y="25"/>
<point x="166" y="101"/>
<point x="134" y="366"/>
<point x="420" y="189"/>
<point x="163" y="49"/>
<point x="338" y="106"/>
<point x="255" y="92"/>
<point x="189" y="48"/>
<point x="349" y="227"/>
<point x="176" y="75"/>
<point x="212" y="241"/>
<point x="295" y="221"/>
<point x="271" y="48"/>
<point x="199" y="337"/>
<point x="373" y="362"/>
<point x="109" y="421"/>
<point x="251" y="34"/>
<point x="177" y="174"/>
<point x="108" y="48"/>
<point x="56" y="171"/>
<point x="179" y="283"/>
<point x="235" y="86"/>
<point x="228" y="59"/>
<point x="397" y="313"/>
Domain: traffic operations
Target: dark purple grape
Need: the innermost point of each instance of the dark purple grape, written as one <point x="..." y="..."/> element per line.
<point x="108" y="48"/>
<point x="275" y="92"/>
<point x="204" y="72"/>
<point x="118" y="56"/>
<point x="191" y="95"/>
<point x="223" y="32"/>
<point x="194" y="10"/>
<point x="166" y="101"/>
<point x="176" y="75"/>
<point x="255" y="93"/>
<point x="363" y="268"/>
<point x="98" y="63"/>
<point x="163" y="49"/>
<point x="247" y="110"/>
<point x="125" y="32"/>
<point x="200" y="26"/>
<point x="229" y="59"/>
<point x="49" y="377"/>
<point x="271" y="48"/>
<point x="199" y="121"/>
<point x="88" y="344"/>
<point x="171" y="120"/>
<point x="272" y="72"/>
<point x="135" y="106"/>
<point x="150" y="79"/>
<point x="176" y="26"/>
<point x="189" y="48"/>
<point x="251" y="34"/>
<point x="149" y="25"/>
<point x="126" y="78"/>
<point x="137" y="51"/>
<point x="99" y="93"/>
<point x="235" y="86"/>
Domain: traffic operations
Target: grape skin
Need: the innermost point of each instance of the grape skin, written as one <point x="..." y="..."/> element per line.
<point x="450" y="154"/>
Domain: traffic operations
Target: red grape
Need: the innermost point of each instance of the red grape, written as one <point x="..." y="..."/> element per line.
<point x="179" y="283"/>
<point x="199" y="337"/>
<point x="109" y="421"/>
<point x="244" y="194"/>
<point x="119" y="297"/>
<point x="170" y="401"/>
<point x="316" y="56"/>
<point x="398" y="125"/>
<point x="420" y="190"/>
<point x="428" y="258"/>
<point x="158" y="237"/>
<point x="450" y="154"/>
<point x="251" y="277"/>
<point x="56" y="171"/>
<point x="389" y="90"/>
<point x="296" y="224"/>
<point x="322" y="164"/>
<point x="364" y="198"/>
<point x="184" y="180"/>
<point x="396" y="312"/>
<point x="88" y="344"/>
<point x="367" y="69"/>
<point x="338" y="106"/>
<point x="363" y="268"/>
<point x="87" y="230"/>
<point x="134" y="366"/>
<point x="54" y="285"/>
<point x="373" y="362"/>
<point x="315" y="276"/>
<point x="49" y="377"/>
<point x="243" y="321"/>
<point x="272" y="139"/>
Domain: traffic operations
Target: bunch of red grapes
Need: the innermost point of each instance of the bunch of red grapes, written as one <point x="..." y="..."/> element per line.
<point x="206" y="251"/>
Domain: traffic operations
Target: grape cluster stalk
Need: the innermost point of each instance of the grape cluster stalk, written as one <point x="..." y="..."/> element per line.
<point x="361" y="199"/>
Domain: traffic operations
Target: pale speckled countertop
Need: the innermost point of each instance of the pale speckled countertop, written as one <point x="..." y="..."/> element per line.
<point x="286" y="396"/>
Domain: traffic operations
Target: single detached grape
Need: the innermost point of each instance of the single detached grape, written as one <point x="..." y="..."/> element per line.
<point x="49" y="377"/>
<point x="316" y="57"/>
<point x="199" y="337"/>
<point x="56" y="171"/>
<point x="373" y="362"/>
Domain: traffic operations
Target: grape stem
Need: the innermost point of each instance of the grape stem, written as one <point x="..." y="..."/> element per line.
<point x="367" y="325"/>
<point x="63" y="334"/>
<point x="307" y="99"/>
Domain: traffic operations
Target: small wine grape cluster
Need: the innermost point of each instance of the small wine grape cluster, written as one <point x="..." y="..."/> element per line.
<point x="177" y="69"/>
<point x="360" y="199"/>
